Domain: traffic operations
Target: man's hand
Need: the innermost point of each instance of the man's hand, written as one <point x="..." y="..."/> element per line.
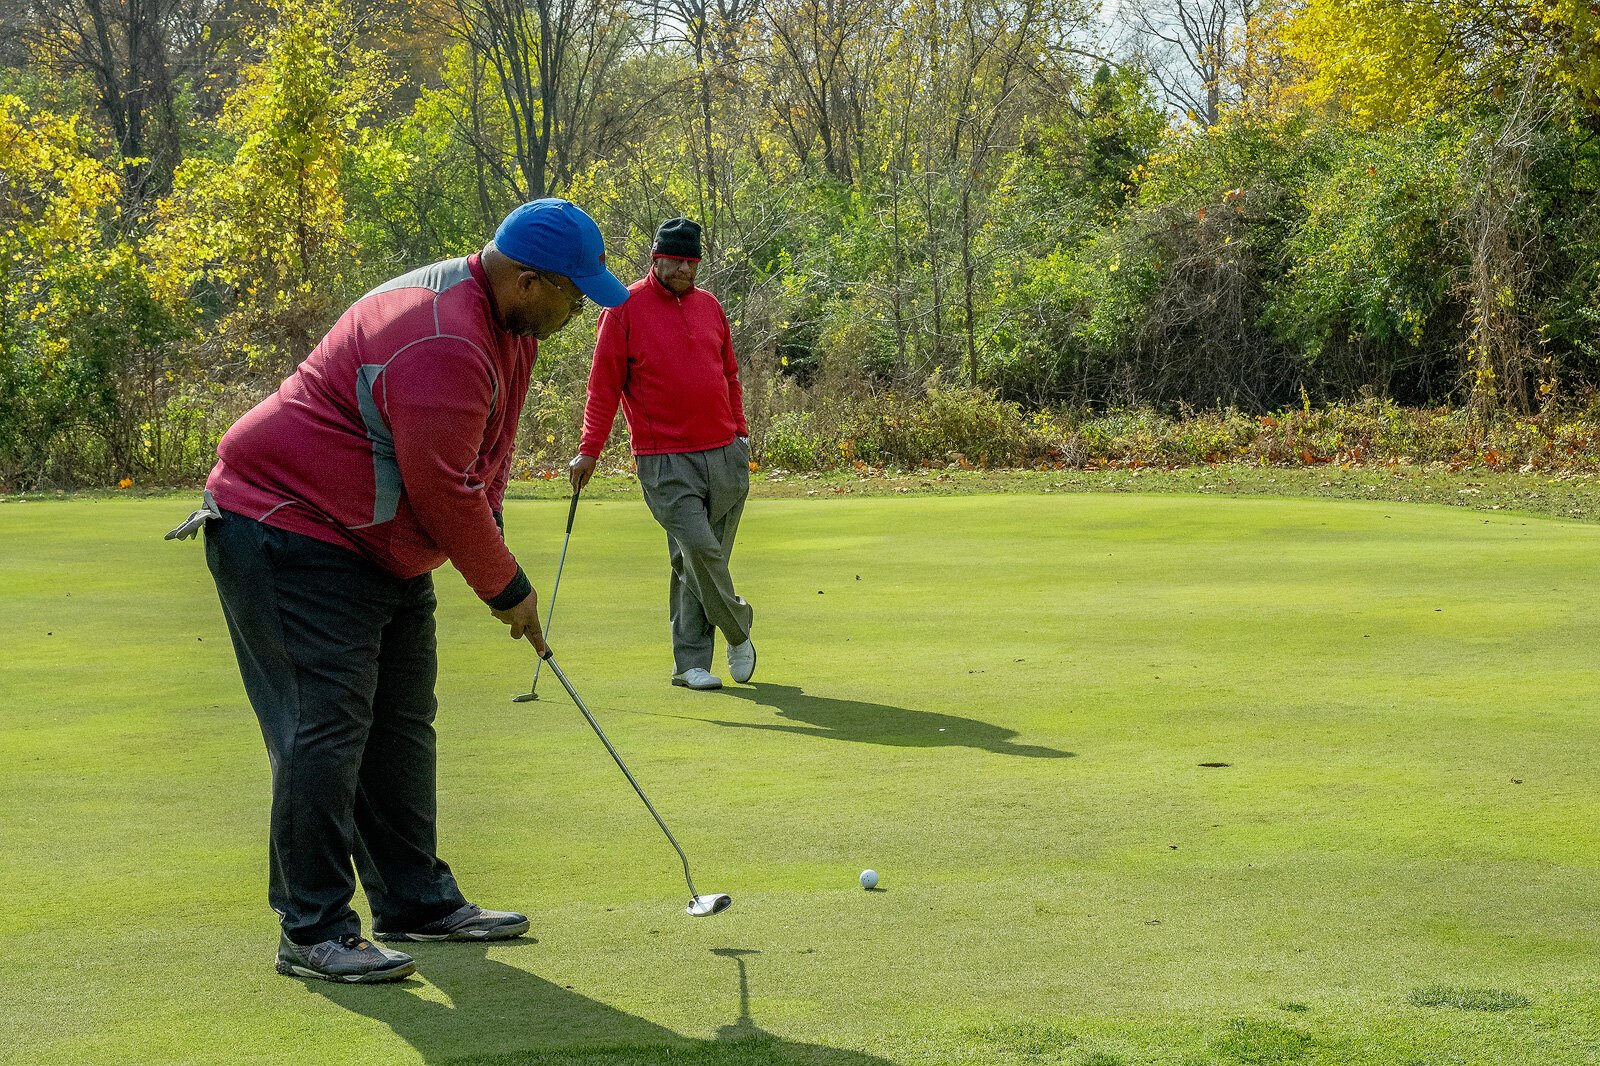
<point x="580" y="470"/>
<point x="524" y="622"/>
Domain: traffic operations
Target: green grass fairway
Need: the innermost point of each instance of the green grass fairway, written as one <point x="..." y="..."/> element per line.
<point x="1005" y="705"/>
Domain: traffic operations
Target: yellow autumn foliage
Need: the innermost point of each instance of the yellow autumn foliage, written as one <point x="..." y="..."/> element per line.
<point x="1396" y="61"/>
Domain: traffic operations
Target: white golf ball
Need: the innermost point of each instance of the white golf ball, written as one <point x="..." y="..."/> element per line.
<point x="869" y="878"/>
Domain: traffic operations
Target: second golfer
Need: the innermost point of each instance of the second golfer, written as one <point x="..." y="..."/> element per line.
<point x="667" y="356"/>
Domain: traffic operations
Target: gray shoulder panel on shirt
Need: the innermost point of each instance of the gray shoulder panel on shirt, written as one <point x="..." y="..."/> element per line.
<point x="436" y="277"/>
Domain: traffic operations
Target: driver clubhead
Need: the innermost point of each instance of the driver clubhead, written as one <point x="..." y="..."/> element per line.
<point x="700" y="906"/>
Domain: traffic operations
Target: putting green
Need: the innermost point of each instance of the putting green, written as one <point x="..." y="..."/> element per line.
<point x="1002" y="704"/>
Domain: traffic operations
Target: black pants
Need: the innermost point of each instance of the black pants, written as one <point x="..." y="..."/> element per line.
<point x="338" y="658"/>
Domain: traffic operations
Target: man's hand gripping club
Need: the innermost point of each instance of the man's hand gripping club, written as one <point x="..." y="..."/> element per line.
<point x="524" y="622"/>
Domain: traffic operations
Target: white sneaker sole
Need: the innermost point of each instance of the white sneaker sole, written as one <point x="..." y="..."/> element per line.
<point x="505" y="932"/>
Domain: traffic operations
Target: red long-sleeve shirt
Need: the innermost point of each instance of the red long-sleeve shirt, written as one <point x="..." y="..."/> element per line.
<point x="669" y="360"/>
<point x="395" y="436"/>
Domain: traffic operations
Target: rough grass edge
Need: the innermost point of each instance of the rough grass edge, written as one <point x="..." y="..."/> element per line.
<point x="1563" y="495"/>
<point x="958" y="428"/>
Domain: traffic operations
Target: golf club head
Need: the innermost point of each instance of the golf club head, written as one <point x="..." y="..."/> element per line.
<point x="700" y="906"/>
<point x="526" y="697"/>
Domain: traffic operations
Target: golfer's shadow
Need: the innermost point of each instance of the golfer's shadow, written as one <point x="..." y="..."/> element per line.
<point x="878" y="723"/>
<point x="487" y="1012"/>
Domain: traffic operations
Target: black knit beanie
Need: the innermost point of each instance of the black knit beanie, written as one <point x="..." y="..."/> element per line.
<point x="677" y="238"/>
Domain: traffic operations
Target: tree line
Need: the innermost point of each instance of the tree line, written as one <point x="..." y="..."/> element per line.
<point x="1211" y="204"/>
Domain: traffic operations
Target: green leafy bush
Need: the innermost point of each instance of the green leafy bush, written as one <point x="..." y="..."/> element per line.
<point x="1371" y="270"/>
<point x="791" y="443"/>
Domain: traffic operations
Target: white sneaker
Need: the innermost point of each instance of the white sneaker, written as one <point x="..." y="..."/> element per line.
<point x="742" y="661"/>
<point x="697" y="679"/>
<point x="742" y="657"/>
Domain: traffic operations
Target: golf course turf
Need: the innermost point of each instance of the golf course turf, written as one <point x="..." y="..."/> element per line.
<point x="1155" y="779"/>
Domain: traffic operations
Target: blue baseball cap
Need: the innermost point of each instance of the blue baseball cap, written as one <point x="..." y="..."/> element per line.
<point x="555" y="235"/>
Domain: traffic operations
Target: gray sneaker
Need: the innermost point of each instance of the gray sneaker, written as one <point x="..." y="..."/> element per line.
<point x="742" y="661"/>
<point x="697" y="679"/>
<point x="470" y="922"/>
<point x="349" y="959"/>
<point x="742" y="657"/>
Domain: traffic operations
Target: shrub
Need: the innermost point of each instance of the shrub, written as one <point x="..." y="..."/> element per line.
<point x="791" y="443"/>
<point x="1367" y="294"/>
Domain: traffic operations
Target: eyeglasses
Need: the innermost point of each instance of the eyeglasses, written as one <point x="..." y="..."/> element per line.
<point x="569" y="290"/>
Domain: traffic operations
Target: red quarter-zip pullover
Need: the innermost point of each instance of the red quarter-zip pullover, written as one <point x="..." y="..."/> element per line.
<point x="395" y="436"/>
<point x="669" y="360"/>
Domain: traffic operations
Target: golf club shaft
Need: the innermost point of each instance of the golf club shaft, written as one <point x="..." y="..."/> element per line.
<point x="550" y="613"/>
<point x="562" y="677"/>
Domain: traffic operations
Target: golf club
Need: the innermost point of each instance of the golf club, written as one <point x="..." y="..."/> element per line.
<point x="550" y="614"/>
<point x="699" y="905"/>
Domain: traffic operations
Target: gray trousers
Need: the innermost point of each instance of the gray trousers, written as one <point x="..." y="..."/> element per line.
<point x="697" y="497"/>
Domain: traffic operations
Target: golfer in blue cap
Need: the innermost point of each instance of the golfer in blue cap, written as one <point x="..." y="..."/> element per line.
<point x="383" y="455"/>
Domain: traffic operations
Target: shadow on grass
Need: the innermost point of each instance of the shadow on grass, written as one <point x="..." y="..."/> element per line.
<point x="495" y="1014"/>
<point x="878" y="723"/>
